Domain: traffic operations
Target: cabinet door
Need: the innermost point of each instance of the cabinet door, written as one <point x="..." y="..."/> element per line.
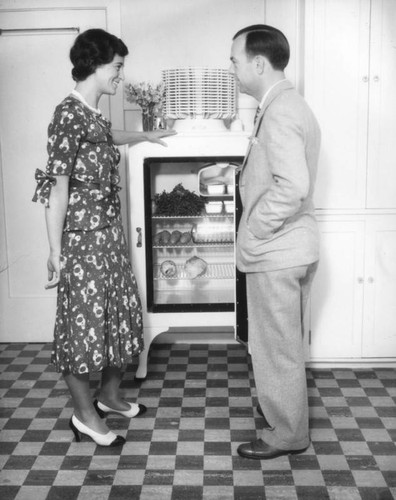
<point x="337" y="291"/>
<point x="336" y="87"/>
<point x="379" y="333"/>
<point x="381" y="186"/>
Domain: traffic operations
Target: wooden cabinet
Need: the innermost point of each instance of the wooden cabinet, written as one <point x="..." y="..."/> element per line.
<point x="379" y="325"/>
<point x="381" y="152"/>
<point x="336" y="86"/>
<point x="350" y="70"/>
<point x="337" y="291"/>
<point x="353" y="296"/>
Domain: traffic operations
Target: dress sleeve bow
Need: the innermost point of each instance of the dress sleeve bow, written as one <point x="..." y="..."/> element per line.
<point x="44" y="186"/>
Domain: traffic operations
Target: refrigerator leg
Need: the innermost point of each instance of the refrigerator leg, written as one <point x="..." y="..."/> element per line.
<point x="149" y="336"/>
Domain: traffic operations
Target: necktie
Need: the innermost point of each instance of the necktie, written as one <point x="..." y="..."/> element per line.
<point x="256" y="115"/>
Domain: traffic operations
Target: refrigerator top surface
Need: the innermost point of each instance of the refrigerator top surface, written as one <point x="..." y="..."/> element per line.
<point x="194" y="144"/>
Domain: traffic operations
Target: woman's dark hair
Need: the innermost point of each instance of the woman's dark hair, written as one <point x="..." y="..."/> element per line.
<point x="266" y="41"/>
<point x="91" y="49"/>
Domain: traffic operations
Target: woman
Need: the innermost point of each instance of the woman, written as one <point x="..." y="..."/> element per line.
<point x="99" y="321"/>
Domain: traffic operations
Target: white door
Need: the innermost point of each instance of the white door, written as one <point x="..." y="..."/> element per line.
<point x="381" y="185"/>
<point x="337" y="292"/>
<point x="379" y="332"/>
<point x="336" y="85"/>
<point x="34" y="78"/>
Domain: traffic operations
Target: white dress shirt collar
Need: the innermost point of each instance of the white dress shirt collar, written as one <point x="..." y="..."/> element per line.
<point x="268" y="91"/>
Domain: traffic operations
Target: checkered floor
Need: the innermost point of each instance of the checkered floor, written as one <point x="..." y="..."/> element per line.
<point x="201" y="401"/>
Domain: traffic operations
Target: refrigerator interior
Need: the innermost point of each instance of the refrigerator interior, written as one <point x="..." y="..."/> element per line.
<point x="190" y="247"/>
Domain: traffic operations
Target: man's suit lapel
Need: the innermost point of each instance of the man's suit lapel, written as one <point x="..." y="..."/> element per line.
<point x="254" y="134"/>
<point x="278" y="89"/>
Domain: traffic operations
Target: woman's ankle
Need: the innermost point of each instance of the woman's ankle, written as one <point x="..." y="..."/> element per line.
<point x="114" y="402"/>
<point x="90" y="418"/>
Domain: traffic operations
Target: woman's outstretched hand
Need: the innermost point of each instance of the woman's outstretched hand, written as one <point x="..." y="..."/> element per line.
<point x="156" y="136"/>
<point x="122" y="137"/>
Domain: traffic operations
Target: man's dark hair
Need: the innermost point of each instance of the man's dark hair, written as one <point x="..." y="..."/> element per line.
<point x="267" y="41"/>
<point x="91" y="49"/>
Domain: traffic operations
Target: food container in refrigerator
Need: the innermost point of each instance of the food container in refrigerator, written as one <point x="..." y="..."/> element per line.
<point x="214" y="178"/>
<point x="215" y="189"/>
<point x="229" y="206"/>
<point x="214" y="207"/>
<point x="213" y="232"/>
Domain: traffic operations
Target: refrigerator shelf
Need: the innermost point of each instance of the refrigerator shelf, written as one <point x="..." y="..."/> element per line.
<point x="213" y="271"/>
<point x="208" y="244"/>
<point x="192" y="217"/>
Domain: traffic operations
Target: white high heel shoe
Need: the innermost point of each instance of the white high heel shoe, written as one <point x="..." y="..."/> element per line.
<point x="134" y="410"/>
<point x="79" y="429"/>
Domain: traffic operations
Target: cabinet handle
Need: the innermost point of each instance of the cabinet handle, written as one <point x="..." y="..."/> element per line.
<point x="365" y="79"/>
<point x="139" y="240"/>
<point x="360" y="280"/>
<point x="376" y="78"/>
<point x="370" y="279"/>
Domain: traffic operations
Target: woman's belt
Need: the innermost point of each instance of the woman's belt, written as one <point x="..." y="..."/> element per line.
<point x="82" y="184"/>
<point x="106" y="190"/>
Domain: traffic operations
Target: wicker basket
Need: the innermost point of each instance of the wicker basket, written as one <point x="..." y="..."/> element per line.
<point x="199" y="93"/>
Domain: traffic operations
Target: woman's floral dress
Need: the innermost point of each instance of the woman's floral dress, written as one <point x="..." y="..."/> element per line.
<point x="99" y="317"/>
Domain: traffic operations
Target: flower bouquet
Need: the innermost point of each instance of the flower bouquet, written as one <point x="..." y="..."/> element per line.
<point x="150" y="98"/>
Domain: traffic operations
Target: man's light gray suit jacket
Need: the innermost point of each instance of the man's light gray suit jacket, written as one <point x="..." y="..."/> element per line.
<point x="278" y="227"/>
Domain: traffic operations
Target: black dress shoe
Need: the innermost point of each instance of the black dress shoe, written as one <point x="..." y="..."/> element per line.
<point x="259" y="450"/>
<point x="260" y="412"/>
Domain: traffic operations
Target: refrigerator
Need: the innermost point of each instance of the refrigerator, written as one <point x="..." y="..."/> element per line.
<point x="183" y="213"/>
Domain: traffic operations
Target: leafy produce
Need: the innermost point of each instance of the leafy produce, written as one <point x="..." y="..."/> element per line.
<point x="179" y="202"/>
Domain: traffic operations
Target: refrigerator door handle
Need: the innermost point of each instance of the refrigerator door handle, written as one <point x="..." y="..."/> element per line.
<point x="139" y="239"/>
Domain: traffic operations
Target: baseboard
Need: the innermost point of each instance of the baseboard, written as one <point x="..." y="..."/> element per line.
<point x="214" y="337"/>
<point x="354" y="363"/>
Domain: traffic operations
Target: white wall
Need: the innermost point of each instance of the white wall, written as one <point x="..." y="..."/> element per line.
<point x="288" y="16"/>
<point x="164" y="34"/>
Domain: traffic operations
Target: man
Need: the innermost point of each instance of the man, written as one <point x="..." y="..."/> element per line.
<point x="277" y="242"/>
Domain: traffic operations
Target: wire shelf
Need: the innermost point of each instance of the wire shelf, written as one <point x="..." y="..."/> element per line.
<point x="213" y="271"/>
<point x="200" y="216"/>
<point x="191" y="244"/>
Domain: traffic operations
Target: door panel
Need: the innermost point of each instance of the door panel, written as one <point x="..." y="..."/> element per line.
<point x="35" y="77"/>
<point x="381" y="186"/>
<point x="379" y="330"/>
<point x="336" y="86"/>
<point x="337" y="292"/>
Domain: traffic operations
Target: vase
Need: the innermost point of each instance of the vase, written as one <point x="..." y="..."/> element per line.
<point x="148" y="118"/>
